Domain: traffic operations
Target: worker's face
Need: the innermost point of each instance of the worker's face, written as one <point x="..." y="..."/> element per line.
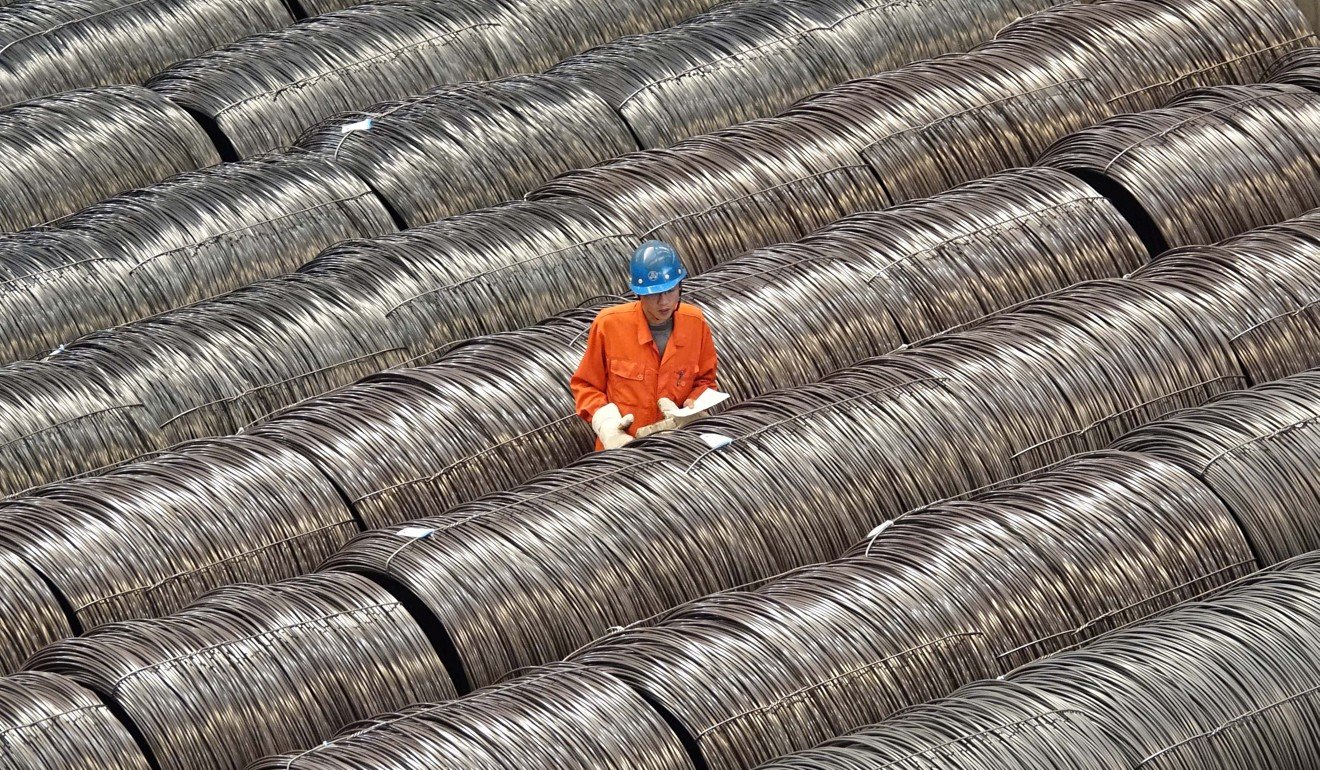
<point x="659" y="308"/>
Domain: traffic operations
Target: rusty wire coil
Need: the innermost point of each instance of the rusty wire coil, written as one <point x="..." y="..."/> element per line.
<point x="560" y="717"/>
<point x="465" y="147"/>
<point x="32" y="615"/>
<point x="68" y="151"/>
<point x="51" y="46"/>
<point x="48" y="721"/>
<point x="149" y="538"/>
<point x="1261" y="286"/>
<point x="1214" y="163"/>
<point x="782" y="316"/>
<point x="956" y="590"/>
<point x="256" y="670"/>
<point x="1258" y="450"/>
<point x="189" y="238"/>
<point x="932" y="422"/>
<point x="261" y="93"/>
<point x="752" y="60"/>
<point x="1299" y="68"/>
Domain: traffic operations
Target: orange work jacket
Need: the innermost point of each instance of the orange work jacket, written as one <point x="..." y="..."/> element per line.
<point x="622" y="364"/>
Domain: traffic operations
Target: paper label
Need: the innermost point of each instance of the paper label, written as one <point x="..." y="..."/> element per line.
<point x="415" y="533"/>
<point x="715" y="440"/>
<point x="361" y="125"/>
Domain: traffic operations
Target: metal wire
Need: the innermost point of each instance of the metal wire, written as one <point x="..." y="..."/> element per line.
<point x="461" y="148"/>
<point x="256" y="670"/>
<point x="597" y="723"/>
<point x="50" y="46"/>
<point x="262" y="92"/>
<point x="32" y="614"/>
<point x="1214" y="163"/>
<point x="48" y="721"/>
<point x="65" y="152"/>
<point x="189" y="238"/>
<point x="1299" y="68"/>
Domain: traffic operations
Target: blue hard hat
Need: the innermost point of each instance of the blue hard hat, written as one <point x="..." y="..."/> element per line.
<point x="655" y="269"/>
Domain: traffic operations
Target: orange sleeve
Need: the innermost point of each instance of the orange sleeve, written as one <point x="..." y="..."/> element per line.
<point x="708" y="363"/>
<point x="588" y="382"/>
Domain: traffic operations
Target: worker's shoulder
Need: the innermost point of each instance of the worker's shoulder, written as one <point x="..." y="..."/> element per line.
<point x="617" y="315"/>
<point x="690" y="311"/>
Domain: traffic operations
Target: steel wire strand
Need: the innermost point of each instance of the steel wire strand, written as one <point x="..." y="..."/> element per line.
<point x="51" y="46"/>
<point x="597" y="723"/>
<point x="256" y="670"/>
<point x="842" y="285"/>
<point x="48" y="721"/>
<point x="65" y="152"/>
<point x="923" y="425"/>
<point x="942" y="593"/>
<point x="1214" y="163"/>
<point x="1299" y="68"/>
<point x="1260" y="285"/>
<point x="461" y="148"/>
<point x="187" y="239"/>
<point x="32" y="615"/>
<point x="262" y="92"/>
<point x="149" y="538"/>
<point x="1257" y="450"/>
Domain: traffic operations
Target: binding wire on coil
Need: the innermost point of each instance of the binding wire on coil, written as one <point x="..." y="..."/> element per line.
<point x="110" y="139"/>
<point x="256" y="670"/>
<point x="51" y="46"/>
<point x="947" y="594"/>
<point x="1298" y="68"/>
<point x="48" y="721"/>
<point x="33" y="617"/>
<point x="462" y="148"/>
<point x="1254" y="133"/>
<point x="148" y="538"/>
<point x="597" y="722"/>
<point x="847" y="286"/>
<point x="187" y="239"/>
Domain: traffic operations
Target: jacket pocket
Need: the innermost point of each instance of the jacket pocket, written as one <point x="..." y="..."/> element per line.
<point x="627" y="383"/>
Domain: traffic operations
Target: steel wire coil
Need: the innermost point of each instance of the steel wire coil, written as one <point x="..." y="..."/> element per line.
<point x="47" y="721"/>
<point x="51" y="46"/>
<point x="32" y="615"/>
<point x="752" y="60"/>
<point x="1261" y="287"/>
<point x="1258" y="450"/>
<point x="65" y="152"/>
<point x="257" y="670"/>
<point x="945" y="592"/>
<point x="561" y="717"/>
<point x="925" y="424"/>
<point x="843" y="286"/>
<point x="462" y="148"/>
<point x="1214" y="163"/>
<point x="1299" y="68"/>
<point x="187" y="239"/>
<point x="149" y="538"/>
<point x="262" y="92"/>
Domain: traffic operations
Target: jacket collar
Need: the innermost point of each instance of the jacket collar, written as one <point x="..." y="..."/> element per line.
<point x="644" y="328"/>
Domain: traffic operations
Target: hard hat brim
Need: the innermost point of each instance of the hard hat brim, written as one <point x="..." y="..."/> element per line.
<point x="658" y="288"/>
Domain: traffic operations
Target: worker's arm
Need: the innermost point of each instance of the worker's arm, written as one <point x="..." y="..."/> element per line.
<point x="705" y="377"/>
<point x="588" y="382"/>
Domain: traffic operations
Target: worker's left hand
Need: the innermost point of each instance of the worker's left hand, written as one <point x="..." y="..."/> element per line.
<point x="670" y="422"/>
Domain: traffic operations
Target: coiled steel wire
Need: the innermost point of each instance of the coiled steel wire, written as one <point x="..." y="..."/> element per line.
<point x="68" y="151"/>
<point x="1215" y="162"/>
<point x="186" y="239"/>
<point x="1261" y="286"/>
<point x="561" y="717"/>
<point x="461" y="148"/>
<point x="1258" y="450"/>
<point x="32" y="616"/>
<point x="783" y="316"/>
<point x="256" y="670"/>
<point x="50" y="46"/>
<point x="149" y="538"/>
<point x="952" y="591"/>
<point x="1244" y="695"/>
<point x="262" y="92"/>
<point x="1299" y="68"/>
<point x="752" y="60"/>
<point x="807" y="472"/>
<point x="47" y="721"/>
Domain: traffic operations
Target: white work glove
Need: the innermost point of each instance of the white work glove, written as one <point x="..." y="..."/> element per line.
<point x="611" y="427"/>
<point x="671" y="420"/>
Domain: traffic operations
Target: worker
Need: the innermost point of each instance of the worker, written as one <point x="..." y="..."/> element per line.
<point x="644" y="358"/>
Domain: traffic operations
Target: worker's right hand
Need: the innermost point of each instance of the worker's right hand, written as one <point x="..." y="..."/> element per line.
<point x="611" y="426"/>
